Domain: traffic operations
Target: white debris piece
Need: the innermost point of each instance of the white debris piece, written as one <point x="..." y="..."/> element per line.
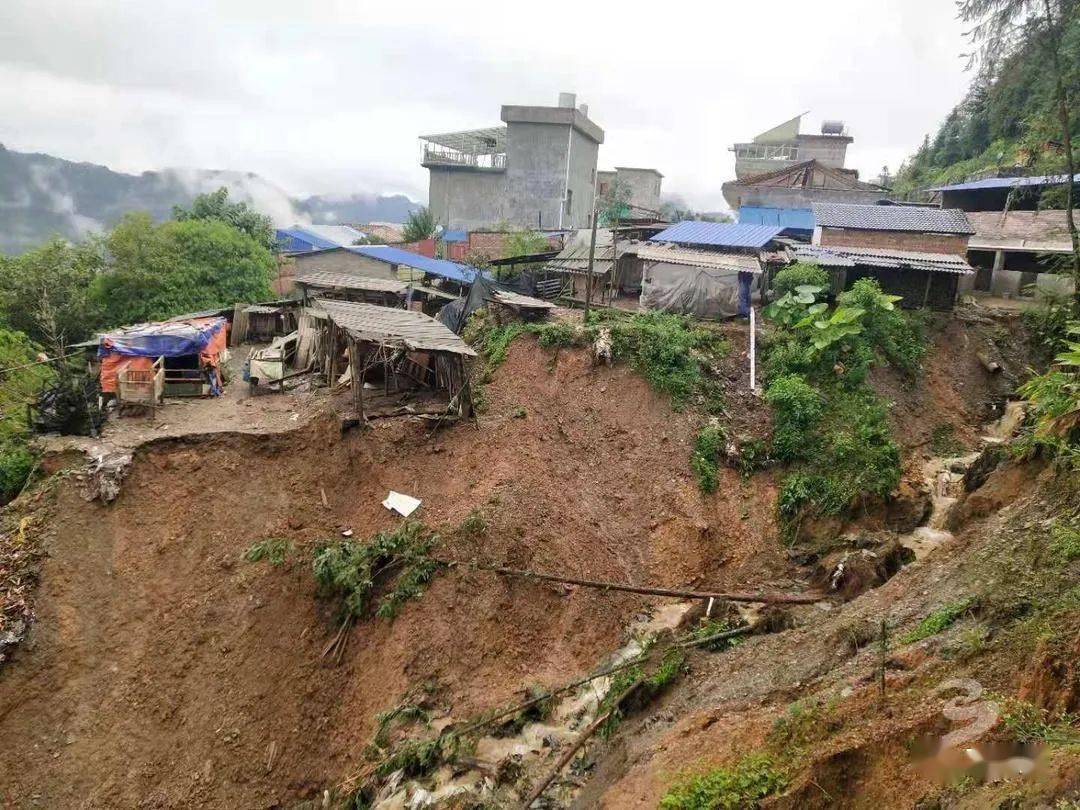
<point x="404" y="505"/>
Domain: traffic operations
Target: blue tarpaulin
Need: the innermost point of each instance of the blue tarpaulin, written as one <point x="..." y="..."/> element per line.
<point x="174" y="339"/>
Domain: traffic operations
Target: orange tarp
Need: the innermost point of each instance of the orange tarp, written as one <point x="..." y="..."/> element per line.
<point x="113" y="364"/>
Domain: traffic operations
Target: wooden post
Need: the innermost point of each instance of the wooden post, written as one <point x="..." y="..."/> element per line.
<point x="926" y="292"/>
<point x="354" y="376"/>
<point x="753" y="350"/>
<point x="589" y="272"/>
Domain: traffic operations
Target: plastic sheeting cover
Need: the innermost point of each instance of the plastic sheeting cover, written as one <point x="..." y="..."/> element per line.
<point x="693" y="290"/>
<point x="174" y="339"/>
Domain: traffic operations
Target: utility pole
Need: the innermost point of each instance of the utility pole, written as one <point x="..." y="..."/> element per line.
<point x="589" y="272"/>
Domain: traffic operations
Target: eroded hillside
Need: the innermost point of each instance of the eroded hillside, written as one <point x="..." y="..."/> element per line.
<point x="164" y="670"/>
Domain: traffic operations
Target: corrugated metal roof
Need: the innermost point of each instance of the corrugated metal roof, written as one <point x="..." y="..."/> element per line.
<point x="462" y="273"/>
<point x="719" y="234"/>
<point x="454" y="236"/>
<point x="294" y="240"/>
<point x="517" y="300"/>
<point x="711" y="259"/>
<point x="800" y="219"/>
<point x="574" y="257"/>
<point x="898" y="259"/>
<point x="891" y="218"/>
<point x="336" y="235"/>
<point x="327" y="279"/>
<point x="395" y="327"/>
<point x="1008" y="182"/>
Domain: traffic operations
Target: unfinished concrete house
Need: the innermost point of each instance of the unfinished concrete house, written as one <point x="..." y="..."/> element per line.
<point x="642" y="187"/>
<point x="537" y="171"/>
<point x="784" y="145"/>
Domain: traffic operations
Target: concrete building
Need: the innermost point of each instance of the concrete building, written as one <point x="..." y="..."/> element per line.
<point x="537" y="171"/>
<point x="784" y="145"/>
<point x="643" y="186"/>
<point x="800" y="185"/>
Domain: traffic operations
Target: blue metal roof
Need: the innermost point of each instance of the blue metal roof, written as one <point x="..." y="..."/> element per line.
<point x="719" y="234"/>
<point x="462" y="273"/>
<point x="454" y="236"/>
<point x="1008" y="182"/>
<point x="795" y="219"/>
<point x="297" y="240"/>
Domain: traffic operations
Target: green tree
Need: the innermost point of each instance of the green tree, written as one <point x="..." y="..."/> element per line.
<point x="159" y="271"/>
<point x="216" y="206"/>
<point x="20" y="380"/>
<point x="524" y="243"/>
<point x="420" y="225"/>
<point x="55" y="276"/>
<point x="614" y="203"/>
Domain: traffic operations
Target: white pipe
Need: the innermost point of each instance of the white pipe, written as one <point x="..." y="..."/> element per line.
<point x="753" y="347"/>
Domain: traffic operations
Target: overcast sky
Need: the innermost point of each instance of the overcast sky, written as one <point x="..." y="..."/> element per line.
<point x="329" y="97"/>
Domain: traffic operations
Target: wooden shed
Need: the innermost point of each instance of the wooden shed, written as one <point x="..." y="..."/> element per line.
<point x="396" y="361"/>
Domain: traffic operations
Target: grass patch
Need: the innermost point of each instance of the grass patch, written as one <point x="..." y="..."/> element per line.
<point x="402" y="713"/>
<point x="274" y="550"/>
<point x="1065" y="543"/>
<point x="943" y="441"/>
<point x="743" y="785"/>
<point x="1027" y="722"/>
<point x="712" y="627"/>
<point x="351" y="570"/>
<point x="941" y="619"/>
<point x="652" y="683"/>
<point x="705" y="461"/>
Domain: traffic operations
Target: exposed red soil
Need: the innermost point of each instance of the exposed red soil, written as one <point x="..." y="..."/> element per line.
<point x="162" y="670"/>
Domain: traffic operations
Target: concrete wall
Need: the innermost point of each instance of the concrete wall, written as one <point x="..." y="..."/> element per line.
<point x="778" y="197"/>
<point x="549" y="151"/>
<point x="828" y="149"/>
<point x="955" y="244"/>
<point x="463" y="198"/>
<point x="644" y="187"/>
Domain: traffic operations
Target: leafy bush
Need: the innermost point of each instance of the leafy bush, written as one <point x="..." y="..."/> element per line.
<point x="941" y="619"/>
<point x="1054" y="418"/>
<point x="736" y="788"/>
<point x="1027" y="722"/>
<point x="274" y="550"/>
<point x="896" y="336"/>
<point x="800" y="274"/>
<point x="705" y="461"/>
<point x="797" y="408"/>
<point x="851" y="456"/>
<point x="792" y="307"/>
<point x="348" y="570"/>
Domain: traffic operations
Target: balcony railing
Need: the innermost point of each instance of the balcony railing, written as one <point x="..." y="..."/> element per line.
<point x="766" y="151"/>
<point x="449" y="157"/>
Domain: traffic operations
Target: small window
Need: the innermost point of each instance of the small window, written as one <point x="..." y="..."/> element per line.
<point x="569" y="202"/>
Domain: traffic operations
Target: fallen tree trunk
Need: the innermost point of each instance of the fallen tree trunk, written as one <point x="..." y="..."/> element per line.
<point x="596" y="724"/>
<point x="770" y="598"/>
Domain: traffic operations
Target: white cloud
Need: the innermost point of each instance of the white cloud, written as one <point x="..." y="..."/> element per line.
<point x="330" y="96"/>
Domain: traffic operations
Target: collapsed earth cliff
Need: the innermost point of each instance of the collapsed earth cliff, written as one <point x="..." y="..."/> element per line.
<point x="162" y="669"/>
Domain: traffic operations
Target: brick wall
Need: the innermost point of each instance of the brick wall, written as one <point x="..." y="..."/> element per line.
<point x="490" y="243"/>
<point x="896" y="240"/>
<point x="425" y="247"/>
<point x="455" y="251"/>
<point x="286" y="272"/>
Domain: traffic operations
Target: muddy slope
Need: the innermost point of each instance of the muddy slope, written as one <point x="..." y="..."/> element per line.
<point x="163" y="671"/>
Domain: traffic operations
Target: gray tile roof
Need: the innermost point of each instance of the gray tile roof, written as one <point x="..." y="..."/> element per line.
<point x="329" y="279"/>
<point x="872" y="257"/>
<point x="393" y="327"/>
<point x="892" y="218"/>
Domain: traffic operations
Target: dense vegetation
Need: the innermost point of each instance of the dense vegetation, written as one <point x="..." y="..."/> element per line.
<point x="830" y="428"/>
<point x="212" y="255"/>
<point x="1006" y="119"/>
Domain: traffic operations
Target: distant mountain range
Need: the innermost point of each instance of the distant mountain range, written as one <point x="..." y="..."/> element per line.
<point x="42" y="195"/>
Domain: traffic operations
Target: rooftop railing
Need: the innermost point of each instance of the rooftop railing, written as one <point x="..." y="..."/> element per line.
<point x="766" y="151"/>
<point x="448" y="157"/>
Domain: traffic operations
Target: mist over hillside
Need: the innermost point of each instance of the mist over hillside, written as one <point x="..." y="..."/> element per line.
<point x="42" y="195"/>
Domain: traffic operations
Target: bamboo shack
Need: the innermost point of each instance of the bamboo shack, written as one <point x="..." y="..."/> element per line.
<point x="396" y="361"/>
<point x="340" y="285"/>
